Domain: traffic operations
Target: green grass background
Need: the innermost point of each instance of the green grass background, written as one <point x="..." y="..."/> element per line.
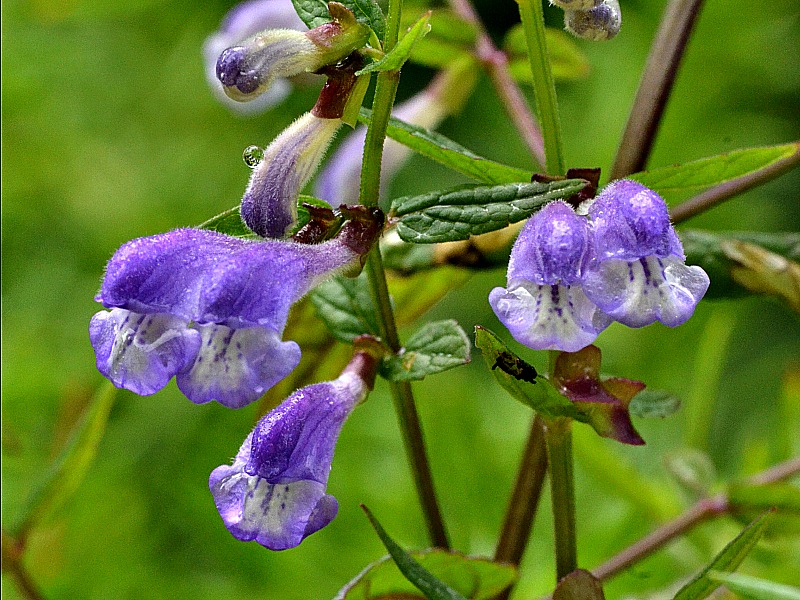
<point x="109" y="133"/>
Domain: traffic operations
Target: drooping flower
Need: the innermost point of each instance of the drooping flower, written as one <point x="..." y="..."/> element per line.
<point x="269" y="205"/>
<point x="601" y="22"/>
<point x="543" y="305"/>
<point x="209" y="309"/>
<point x="240" y="23"/>
<point x="639" y="275"/>
<point x="275" y="490"/>
<point x="247" y="70"/>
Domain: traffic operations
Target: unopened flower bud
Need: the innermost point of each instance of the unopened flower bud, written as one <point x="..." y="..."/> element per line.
<point x="247" y="70"/>
<point x="599" y="23"/>
<point x="269" y="206"/>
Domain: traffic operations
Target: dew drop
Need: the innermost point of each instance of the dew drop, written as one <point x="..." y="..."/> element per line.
<point x="252" y="155"/>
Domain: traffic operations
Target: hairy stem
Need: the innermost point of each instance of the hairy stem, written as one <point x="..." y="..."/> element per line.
<point x="724" y="191"/>
<point x="655" y="86"/>
<point x="701" y="511"/>
<point x="544" y="88"/>
<point x="414" y="441"/>
<point x="558" y="435"/>
<point x="495" y="63"/>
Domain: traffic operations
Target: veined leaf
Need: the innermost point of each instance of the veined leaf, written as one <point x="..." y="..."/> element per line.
<point x="728" y="560"/>
<point x="312" y="12"/>
<point x="315" y="13"/>
<point x="434" y="348"/>
<point x="444" y="150"/>
<point x="398" y="55"/>
<point x="755" y="588"/>
<point x="713" y="170"/>
<point x="433" y="588"/>
<point x="464" y="211"/>
<point x="346" y="307"/>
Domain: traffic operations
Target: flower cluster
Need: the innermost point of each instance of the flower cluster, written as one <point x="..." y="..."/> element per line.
<point x="591" y="19"/>
<point x="569" y="276"/>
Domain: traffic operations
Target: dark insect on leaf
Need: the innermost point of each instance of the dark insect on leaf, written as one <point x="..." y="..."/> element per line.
<point x="515" y="367"/>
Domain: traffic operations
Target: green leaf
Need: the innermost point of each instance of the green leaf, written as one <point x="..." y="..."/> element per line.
<point x="782" y="496"/>
<point x="521" y="380"/>
<point x="713" y="170"/>
<point x="458" y="213"/>
<point x="451" y="39"/>
<point x="755" y="588"/>
<point x="70" y="468"/>
<point x="566" y="59"/>
<point x="346" y="307"/>
<point x="444" y="150"/>
<point x="740" y="263"/>
<point x="693" y="469"/>
<point x="579" y="585"/>
<point x="649" y="404"/>
<point x="315" y="13"/>
<point x="728" y="560"/>
<point x="433" y="588"/>
<point x="397" y="57"/>
<point x="434" y="348"/>
<point x="473" y="577"/>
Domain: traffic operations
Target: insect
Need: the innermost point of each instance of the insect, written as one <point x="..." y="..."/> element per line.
<point x="516" y="367"/>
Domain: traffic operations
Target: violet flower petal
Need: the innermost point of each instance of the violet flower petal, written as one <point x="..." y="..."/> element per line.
<point x="140" y="352"/>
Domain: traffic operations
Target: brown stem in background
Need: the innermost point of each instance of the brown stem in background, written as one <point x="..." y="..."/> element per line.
<point x="724" y="191"/>
<point x="495" y="62"/>
<point x="655" y="86"/>
<point x="13" y="551"/>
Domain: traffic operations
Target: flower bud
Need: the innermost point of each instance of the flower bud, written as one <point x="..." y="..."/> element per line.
<point x="599" y="23"/>
<point x="269" y="206"/>
<point x="247" y="70"/>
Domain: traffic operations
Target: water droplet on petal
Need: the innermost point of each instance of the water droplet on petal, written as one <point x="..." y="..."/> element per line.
<point x="252" y="155"/>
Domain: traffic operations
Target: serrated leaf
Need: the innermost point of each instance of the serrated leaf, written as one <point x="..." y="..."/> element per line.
<point x="346" y="307"/>
<point x="68" y="471"/>
<point x="435" y="347"/>
<point x="755" y="588"/>
<point x="521" y="380"/>
<point x="433" y="588"/>
<point x="736" y="269"/>
<point x="445" y="151"/>
<point x="567" y="60"/>
<point x="579" y="585"/>
<point x="464" y="211"/>
<point x="398" y="55"/>
<point x="649" y="404"/>
<point x="714" y="170"/>
<point x="315" y="13"/>
<point x="473" y="577"/>
<point x="728" y="560"/>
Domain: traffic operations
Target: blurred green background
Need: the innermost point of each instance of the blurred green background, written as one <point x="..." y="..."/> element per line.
<point x="110" y="132"/>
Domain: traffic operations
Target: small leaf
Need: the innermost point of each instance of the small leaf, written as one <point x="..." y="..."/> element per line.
<point x="434" y="348"/>
<point x="714" y="170"/>
<point x="579" y="585"/>
<point x="433" y="588"/>
<point x="443" y="150"/>
<point x="728" y="560"/>
<point x="649" y="404"/>
<point x="397" y="57"/>
<point x="473" y="577"/>
<point x="346" y="307"/>
<point x="451" y="39"/>
<point x="315" y="13"/>
<point x="69" y="470"/>
<point x="464" y="211"/>
<point x="521" y="380"/>
<point x="755" y="588"/>
<point x="693" y="469"/>
<point x="744" y="262"/>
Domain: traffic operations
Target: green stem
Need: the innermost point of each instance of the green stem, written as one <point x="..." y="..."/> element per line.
<point x="558" y="435"/>
<point x="544" y="88"/>
<point x="414" y="441"/>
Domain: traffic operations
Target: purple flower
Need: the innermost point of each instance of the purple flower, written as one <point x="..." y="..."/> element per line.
<point x="209" y="309"/>
<point x="275" y="490"/>
<point x="543" y="305"/>
<point x="240" y="23"/>
<point x="640" y="276"/>
<point x="602" y="22"/>
<point x="269" y="206"/>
